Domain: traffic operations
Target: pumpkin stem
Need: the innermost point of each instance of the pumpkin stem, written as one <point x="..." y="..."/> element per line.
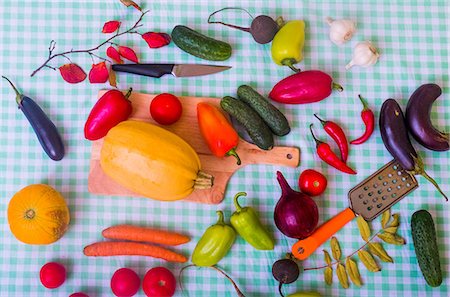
<point x="203" y="180"/>
<point x="30" y="214"/>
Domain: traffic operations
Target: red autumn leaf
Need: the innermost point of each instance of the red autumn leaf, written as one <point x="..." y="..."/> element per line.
<point x="132" y="3"/>
<point x="72" y="73"/>
<point x="156" y="39"/>
<point x="111" y="26"/>
<point x="112" y="78"/>
<point x="128" y="53"/>
<point x="98" y="73"/>
<point x="114" y="54"/>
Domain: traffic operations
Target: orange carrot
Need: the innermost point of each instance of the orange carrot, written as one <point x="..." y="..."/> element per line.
<point x="135" y="233"/>
<point x="125" y="248"/>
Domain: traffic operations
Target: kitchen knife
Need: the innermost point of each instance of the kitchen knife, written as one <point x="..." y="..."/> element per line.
<point x="177" y="70"/>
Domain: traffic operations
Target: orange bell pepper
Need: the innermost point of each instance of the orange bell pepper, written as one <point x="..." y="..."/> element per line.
<point x="217" y="131"/>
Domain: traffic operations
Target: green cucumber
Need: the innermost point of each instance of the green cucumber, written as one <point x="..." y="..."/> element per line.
<point x="199" y="45"/>
<point x="276" y="121"/>
<point x="425" y="245"/>
<point x="256" y="128"/>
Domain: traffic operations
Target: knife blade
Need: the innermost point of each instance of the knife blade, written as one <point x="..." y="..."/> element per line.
<point x="177" y="70"/>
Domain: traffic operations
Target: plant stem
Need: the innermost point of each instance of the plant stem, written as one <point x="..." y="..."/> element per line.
<point x="52" y="45"/>
<point x="363" y="246"/>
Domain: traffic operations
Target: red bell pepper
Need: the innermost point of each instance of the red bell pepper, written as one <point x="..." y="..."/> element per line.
<point x="217" y="131"/>
<point x="304" y="87"/>
<point x="112" y="108"/>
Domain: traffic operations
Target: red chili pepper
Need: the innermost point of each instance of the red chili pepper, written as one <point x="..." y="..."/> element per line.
<point x="217" y="131"/>
<point x="112" y="108"/>
<point x="336" y="132"/>
<point x="327" y="155"/>
<point x="369" y="121"/>
<point x="304" y="87"/>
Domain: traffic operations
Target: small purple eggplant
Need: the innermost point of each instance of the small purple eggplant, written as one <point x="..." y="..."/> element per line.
<point x="396" y="140"/>
<point x="419" y="122"/>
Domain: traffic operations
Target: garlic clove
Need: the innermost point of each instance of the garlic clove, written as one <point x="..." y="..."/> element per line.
<point x="365" y="54"/>
<point x="341" y="30"/>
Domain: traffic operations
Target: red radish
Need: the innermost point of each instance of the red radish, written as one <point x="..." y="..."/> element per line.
<point x="72" y="73"/>
<point x="98" y="73"/>
<point x="159" y="281"/>
<point x="78" y="294"/>
<point x="304" y="87"/>
<point x="125" y="282"/>
<point x="52" y="275"/>
<point x="166" y="109"/>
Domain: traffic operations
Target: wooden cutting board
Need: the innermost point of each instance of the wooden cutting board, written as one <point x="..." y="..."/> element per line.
<point x="187" y="128"/>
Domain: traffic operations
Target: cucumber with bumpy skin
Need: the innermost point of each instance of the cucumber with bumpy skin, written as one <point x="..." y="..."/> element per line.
<point x="425" y="245"/>
<point x="200" y="45"/>
<point x="256" y="128"/>
<point x="276" y="121"/>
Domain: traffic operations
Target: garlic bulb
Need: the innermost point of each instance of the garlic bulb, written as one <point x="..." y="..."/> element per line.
<point x="341" y="31"/>
<point x="364" y="54"/>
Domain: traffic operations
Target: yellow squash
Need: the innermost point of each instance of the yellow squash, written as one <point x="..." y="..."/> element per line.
<point x="152" y="161"/>
<point x="38" y="214"/>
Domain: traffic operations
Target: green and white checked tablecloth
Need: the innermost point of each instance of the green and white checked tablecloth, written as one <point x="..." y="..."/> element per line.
<point x="413" y="38"/>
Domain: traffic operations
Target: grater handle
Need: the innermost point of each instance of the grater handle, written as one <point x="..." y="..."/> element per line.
<point x="302" y="249"/>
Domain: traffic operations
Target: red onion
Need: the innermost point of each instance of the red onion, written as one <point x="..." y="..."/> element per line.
<point x="296" y="214"/>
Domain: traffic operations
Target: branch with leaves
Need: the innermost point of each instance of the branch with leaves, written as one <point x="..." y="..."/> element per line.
<point x="366" y="253"/>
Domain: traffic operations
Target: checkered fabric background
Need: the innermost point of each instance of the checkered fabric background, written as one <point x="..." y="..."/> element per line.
<point x="413" y="40"/>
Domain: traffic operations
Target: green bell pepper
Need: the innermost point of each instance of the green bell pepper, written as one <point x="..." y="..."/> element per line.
<point x="246" y="222"/>
<point x="214" y="243"/>
<point x="287" y="45"/>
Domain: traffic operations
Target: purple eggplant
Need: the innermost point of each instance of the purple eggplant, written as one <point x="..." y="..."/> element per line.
<point x="419" y="122"/>
<point x="44" y="128"/>
<point x="396" y="140"/>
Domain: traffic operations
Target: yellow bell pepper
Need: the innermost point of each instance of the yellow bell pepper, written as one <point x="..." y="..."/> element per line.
<point x="287" y="45"/>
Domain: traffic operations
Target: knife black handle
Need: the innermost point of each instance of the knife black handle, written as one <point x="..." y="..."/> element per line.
<point x="153" y="70"/>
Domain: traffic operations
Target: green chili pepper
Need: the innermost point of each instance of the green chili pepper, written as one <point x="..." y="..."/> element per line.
<point x="246" y="222"/>
<point x="214" y="244"/>
<point x="287" y="45"/>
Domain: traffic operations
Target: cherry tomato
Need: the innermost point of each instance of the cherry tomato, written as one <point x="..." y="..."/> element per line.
<point x="52" y="275"/>
<point x="159" y="281"/>
<point x="125" y="282"/>
<point x="312" y="182"/>
<point x="78" y="294"/>
<point x="166" y="109"/>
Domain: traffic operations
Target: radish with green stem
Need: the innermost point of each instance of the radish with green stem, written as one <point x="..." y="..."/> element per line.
<point x="263" y="28"/>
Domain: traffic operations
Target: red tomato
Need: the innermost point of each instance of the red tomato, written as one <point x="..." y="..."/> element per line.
<point x="125" y="282"/>
<point x="78" y="294"/>
<point x="52" y="275"/>
<point x="166" y="109"/>
<point x="159" y="282"/>
<point x="312" y="183"/>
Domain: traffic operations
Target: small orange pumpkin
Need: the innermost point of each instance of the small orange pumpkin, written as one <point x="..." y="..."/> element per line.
<point x="38" y="214"/>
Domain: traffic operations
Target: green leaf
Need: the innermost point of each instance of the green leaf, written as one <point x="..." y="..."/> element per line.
<point x="328" y="275"/>
<point x="363" y="227"/>
<point x="353" y="271"/>
<point x="342" y="276"/>
<point x="377" y="249"/>
<point x="385" y="217"/>
<point x="368" y="261"/>
<point x="335" y="248"/>
<point x="392" y="238"/>
<point x="327" y="257"/>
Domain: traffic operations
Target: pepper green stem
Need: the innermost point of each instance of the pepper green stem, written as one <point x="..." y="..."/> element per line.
<point x="220" y="220"/>
<point x="312" y="133"/>
<point x="127" y="95"/>
<point x="364" y="103"/>
<point x="289" y="62"/>
<point x="337" y="87"/>
<point x="419" y="169"/>
<point x="323" y="122"/>
<point x="236" y="202"/>
<point x="233" y="153"/>
<point x="19" y="96"/>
